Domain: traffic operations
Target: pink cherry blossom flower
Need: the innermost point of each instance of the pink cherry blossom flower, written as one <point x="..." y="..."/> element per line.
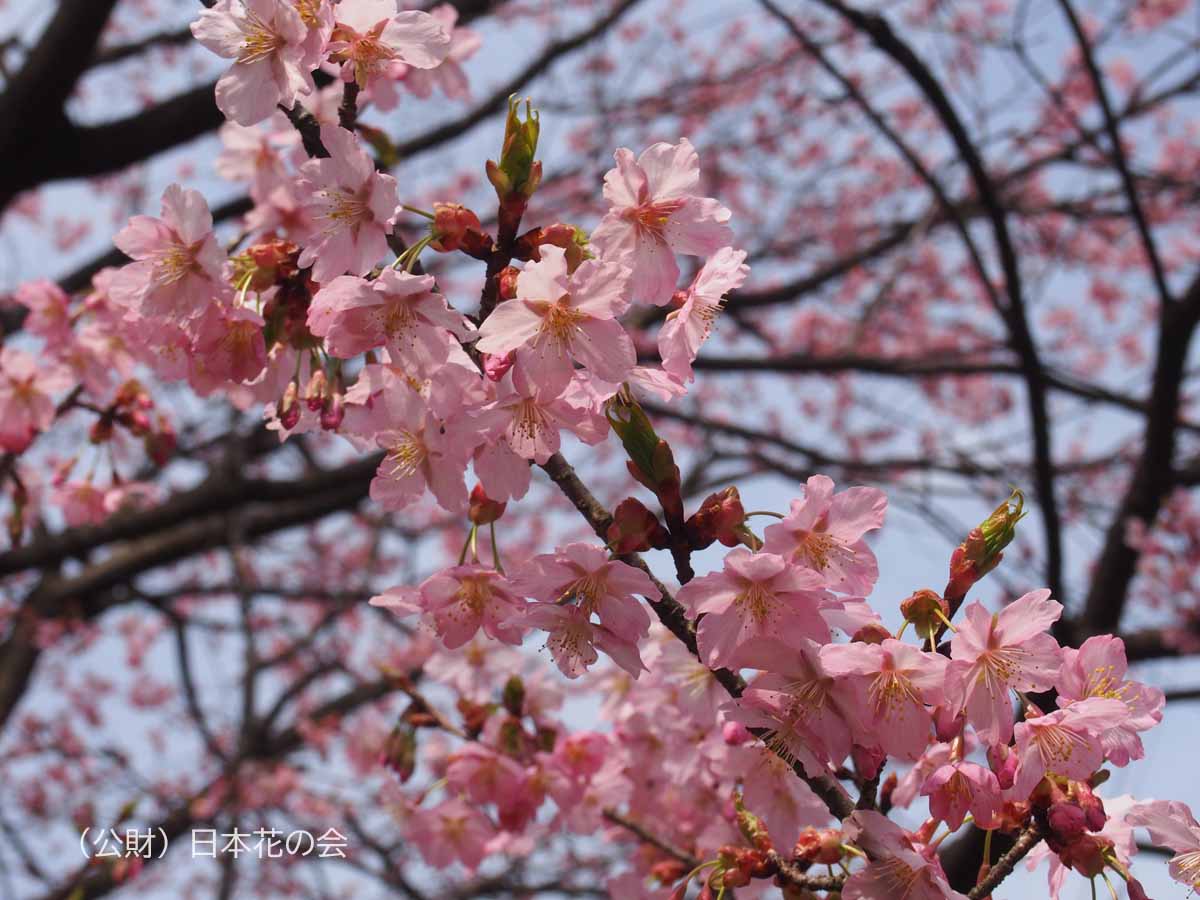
<point x="900" y="868"/>
<point x="27" y="397"/>
<point x="995" y="654"/>
<point x="421" y="451"/>
<point x="452" y="830"/>
<point x="824" y="532"/>
<point x="655" y="215"/>
<point x="1097" y="669"/>
<point x="464" y="599"/>
<point x="1065" y="742"/>
<point x="689" y="326"/>
<point x="958" y="787"/>
<point x="397" y="310"/>
<point x="369" y="36"/>
<point x="772" y="790"/>
<point x="1172" y="825"/>
<point x="265" y="39"/>
<point x="531" y="418"/>
<point x="795" y="700"/>
<point x="891" y="685"/>
<point x="558" y="317"/>
<point x="256" y="155"/>
<point x="583" y="574"/>
<point x="756" y="596"/>
<point x="573" y="639"/>
<point x="176" y="273"/>
<point x="353" y="205"/>
<point x="229" y="348"/>
<point x="49" y="312"/>
<point x="449" y="74"/>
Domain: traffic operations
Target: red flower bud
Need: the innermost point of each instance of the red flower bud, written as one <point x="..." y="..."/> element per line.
<point x="483" y="510"/>
<point x="635" y="528"/>
<point x="926" y="611"/>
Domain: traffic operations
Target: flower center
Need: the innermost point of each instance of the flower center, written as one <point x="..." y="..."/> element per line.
<point x="651" y="218"/>
<point x="407" y="455"/>
<point x="309" y="11"/>
<point x="560" y="322"/>
<point x="1055" y="744"/>
<point x="816" y="549"/>
<point x="174" y="264"/>
<point x="529" y="419"/>
<point x="474" y="594"/>
<point x="756" y="601"/>
<point x="260" y="40"/>
<point x="1188" y="867"/>
<point x="890" y="691"/>
<point x="345" y="209"/>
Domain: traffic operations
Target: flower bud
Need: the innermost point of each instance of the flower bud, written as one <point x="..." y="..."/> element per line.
<point x="668" y="871"/>
<point x="400" y="752"/>
<point x="508" y="282"/>
<point x="314" y="392"/>
<point x="1003" y="763"/>
<point x="495" y="367"/>
<point x="333" y="411"/>
<point x="735" y="734"/>
<point x="517" y="174"/>
<point x="926" y="611"/>
<point x="635" y="528"/>
<point x="871" y="633"/>
<point x="720" y="517"/>
<point x="982" y="550"/>
<point x="514" y="696"/>
<point x="867" y="760"/>
<point x="457" y="228"/>
<point x="483" y="510"/>
<point x="288" y="408"/>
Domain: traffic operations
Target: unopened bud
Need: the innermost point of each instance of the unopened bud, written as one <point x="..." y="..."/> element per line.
<point x="333" y="411"/>
<point x="457" y="228"/>
<point x="926" y="611"/>
<point x="288" y="408"/>
<point x="871" y="633"/>
<point x="635" y="528"/>
<point x="400" y="752"/>
<point x="982" y="550"/>
<point x="514" y="696"/>
<point x="482" y="509"/>
<point x="719" y="518"/>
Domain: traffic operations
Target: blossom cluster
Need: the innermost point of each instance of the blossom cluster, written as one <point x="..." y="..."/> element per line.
<point x="782" y="676"/>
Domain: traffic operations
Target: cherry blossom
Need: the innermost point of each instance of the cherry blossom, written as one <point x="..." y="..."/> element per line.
<point x="353" y="207"/>
<point x="177" y="268"/>
<point x="397" y="310"/>
<point x="1172" y="825"/>
<point x="451" y="830"/>
<point x="560" y="316"/>
<point x="824" y="532"/>
<point x="27" y="394"/>
<point x="655" y="215"/>
<point x="1097" y="669"/>
<point x="957" y="788"/>
<point x="583" y="575"/>
<point x="755" y="597"/>
<point x="1065" y="742"/>
<point x="899" y="868"/>
<point x="370" y="35"/>
<point x="266" y="40"/>
<point x="448" y="74"/>
<point x="892" y="685"/>
<point x="994" y="654"/>
<point x="689" y="326"/>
